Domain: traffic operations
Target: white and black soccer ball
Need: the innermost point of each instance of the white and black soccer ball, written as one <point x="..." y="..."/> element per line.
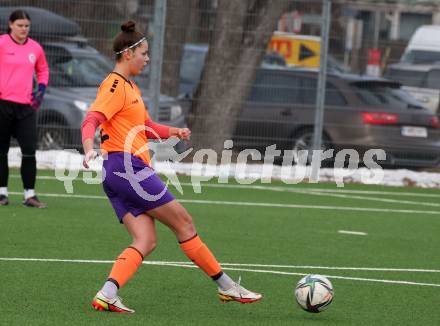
<point x="314" y="293"/>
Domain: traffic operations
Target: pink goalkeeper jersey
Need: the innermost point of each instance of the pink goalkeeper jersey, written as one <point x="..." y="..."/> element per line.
<point x="18" y="62"/>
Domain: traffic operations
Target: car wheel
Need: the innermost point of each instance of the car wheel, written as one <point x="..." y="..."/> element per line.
<point x="303" y="141"/>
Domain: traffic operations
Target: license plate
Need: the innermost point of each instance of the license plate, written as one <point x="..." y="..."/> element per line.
<point x="420" y="132"/>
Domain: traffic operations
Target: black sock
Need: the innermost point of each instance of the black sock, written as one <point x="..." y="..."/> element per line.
<point x="28" y="171"/>
<point x="4" y="170"/>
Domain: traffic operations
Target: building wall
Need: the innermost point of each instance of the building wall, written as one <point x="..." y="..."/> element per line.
<point x="397" y="21"/>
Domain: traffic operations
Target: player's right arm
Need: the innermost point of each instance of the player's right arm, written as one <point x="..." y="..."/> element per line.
<point x="88" y="130"/>
<point x="111" y="96"/>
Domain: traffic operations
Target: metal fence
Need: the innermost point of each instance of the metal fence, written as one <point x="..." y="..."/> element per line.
<point x="248" y="71"/>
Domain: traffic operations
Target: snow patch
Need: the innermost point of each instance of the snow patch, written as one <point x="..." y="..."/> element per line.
<point x="71" y="160"/>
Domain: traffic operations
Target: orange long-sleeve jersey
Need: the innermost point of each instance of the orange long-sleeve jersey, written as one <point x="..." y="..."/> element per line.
<point x="120" y="101"/>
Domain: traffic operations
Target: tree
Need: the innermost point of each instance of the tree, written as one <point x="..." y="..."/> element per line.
<point x="241" y="33"/>
<point x="177" y="20"/>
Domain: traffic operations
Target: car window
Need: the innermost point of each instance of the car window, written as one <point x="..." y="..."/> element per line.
<point x="193" y="61"/>
<point x="309" y="92"/>
<point x="406" y="77"/>
<point x="192" y="65"/>
<point x="381" y="95"/>
<point x="433" y="79"/>
<point x="333" y="96"/>
<point x="79" y="71"/>
<point x="421" y="57"/>
<point x="273" y="87"/>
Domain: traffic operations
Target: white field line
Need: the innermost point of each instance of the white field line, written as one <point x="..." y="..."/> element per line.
<point x="372" y="192"/>
<point x="152" y="262"/>
<point x="190" y="265"/>
<point x="258" y="204"/>
<point x="328" y="276"/>
<point x="325" y="207"/>
<point x="367" y="269"/>
<point x="283" y="189"/>
<point x="319" y="192"/>
<point x="291" y="189"/>
<point x="322" y="192"/>
<point x="384" y="200"/>
<point x="352" y="232"/>
<point x="42" y="194"/>
<point x="334" y="193"/>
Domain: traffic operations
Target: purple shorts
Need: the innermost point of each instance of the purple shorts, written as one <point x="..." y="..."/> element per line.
<point x="130" y="191"/>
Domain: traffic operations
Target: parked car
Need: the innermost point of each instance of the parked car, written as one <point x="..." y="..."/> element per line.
<point x="45" y="23"/>
<point x="421" y="81"/>
<point x="194" y="56"/>
<point x="360" y="113"/>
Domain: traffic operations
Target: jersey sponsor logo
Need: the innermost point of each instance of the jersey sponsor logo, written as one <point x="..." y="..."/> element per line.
<point x="32" y="58"/>
<point x="10" y="53"/>
<point x="115" y="84"/>
<point x="135" y="101"/>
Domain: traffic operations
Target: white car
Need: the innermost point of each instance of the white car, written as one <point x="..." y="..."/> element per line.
<point x="421" y="81"/>
<point x="424" y="46"/>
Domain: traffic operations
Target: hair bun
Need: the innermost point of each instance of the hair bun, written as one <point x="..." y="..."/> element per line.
<point x="128" y="26"/>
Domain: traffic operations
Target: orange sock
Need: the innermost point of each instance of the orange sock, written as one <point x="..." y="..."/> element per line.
<point x="199" y="253"/>
<point x="125" y="266"/>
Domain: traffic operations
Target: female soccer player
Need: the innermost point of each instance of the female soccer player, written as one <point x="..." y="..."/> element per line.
<point x="20" y="57"/>
<point x="140" y="200"/>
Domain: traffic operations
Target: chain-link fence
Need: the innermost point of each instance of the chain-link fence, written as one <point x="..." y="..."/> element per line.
<point x="248" y="71"/>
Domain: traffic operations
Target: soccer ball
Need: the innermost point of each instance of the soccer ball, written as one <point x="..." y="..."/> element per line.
<point x="314" y="293"/>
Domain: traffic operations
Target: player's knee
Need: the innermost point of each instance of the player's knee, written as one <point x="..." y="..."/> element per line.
<point x="150" y="246"/>
<point x="188" y="230"/>
<point x="28" y="149"/>
<point x="186" y="224"/>
<point x="146" y="246"/>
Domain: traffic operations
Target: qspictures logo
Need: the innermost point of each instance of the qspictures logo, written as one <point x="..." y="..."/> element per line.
<point x="297" y="166"/>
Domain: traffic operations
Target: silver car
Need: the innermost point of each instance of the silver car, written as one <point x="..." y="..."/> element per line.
<point x="421" y="81"/>
<point x="361" y="113"/>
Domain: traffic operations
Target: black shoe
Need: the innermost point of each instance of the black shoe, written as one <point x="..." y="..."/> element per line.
<point x="4" y="200"/>
<point x="34" y="202"/>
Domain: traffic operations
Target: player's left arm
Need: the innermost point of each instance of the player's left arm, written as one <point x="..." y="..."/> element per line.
<point x="156" y="130"/>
